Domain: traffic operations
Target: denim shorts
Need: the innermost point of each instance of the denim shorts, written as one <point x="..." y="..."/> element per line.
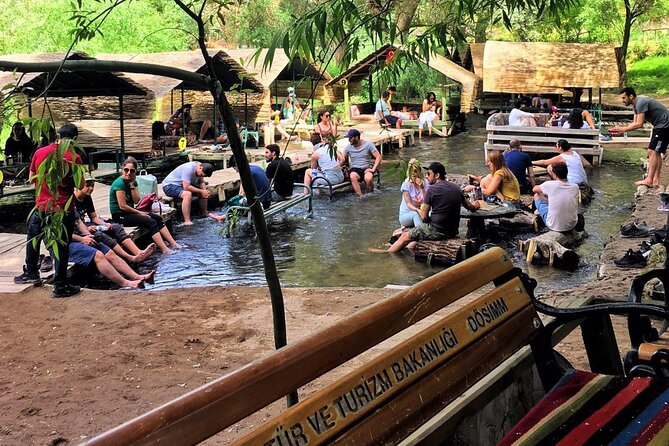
<point x="81" y="254"/>
<point x="173" y="190"/>
<point x="542" y="208"/>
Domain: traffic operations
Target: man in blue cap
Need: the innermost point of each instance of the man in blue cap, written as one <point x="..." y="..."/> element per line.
<point x="360" y="153"/>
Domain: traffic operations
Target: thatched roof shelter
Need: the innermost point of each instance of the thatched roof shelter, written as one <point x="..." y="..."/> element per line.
<point x="540" y="67"/>
<point x="473" y="60"/>
<point x="471" y="84"/>
<point x="68" y="83"/>
<point x="282" y="73"/>
<point x="227" y="70"/>
<point x="362" y="69"/>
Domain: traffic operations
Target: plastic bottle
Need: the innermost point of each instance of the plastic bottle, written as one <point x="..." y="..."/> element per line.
<point x="625" y="136"/>
<point x="263" y="164"/>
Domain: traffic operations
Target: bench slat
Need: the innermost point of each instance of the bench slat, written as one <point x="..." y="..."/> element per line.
<point x="341" y="404"/>
<point x="544" y="149"/>
<point x="546" y="139"/>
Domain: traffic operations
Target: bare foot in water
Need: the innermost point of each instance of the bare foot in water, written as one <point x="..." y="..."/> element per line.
<point x="145" y="254"/>
<point x="218" y="218"/>
<point x="134" y="284"/>
<point x="187" y="223"/>
<point x="150" y="277"/>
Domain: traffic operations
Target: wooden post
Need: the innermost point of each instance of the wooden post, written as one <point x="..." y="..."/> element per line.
<point x="347" y="105"/>
<point x="120" y="107"/>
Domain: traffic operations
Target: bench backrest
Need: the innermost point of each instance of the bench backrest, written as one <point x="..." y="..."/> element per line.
<point x="388" y="396"/>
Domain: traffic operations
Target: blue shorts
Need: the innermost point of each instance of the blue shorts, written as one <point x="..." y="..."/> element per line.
<point x="542" y="207"/>
<point x="83" y="255"/>
<point x="173" y="190"/>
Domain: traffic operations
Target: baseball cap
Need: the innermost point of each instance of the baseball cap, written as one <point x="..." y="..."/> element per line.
<point x="88" y="177"/>
<point x="351" y="133"/>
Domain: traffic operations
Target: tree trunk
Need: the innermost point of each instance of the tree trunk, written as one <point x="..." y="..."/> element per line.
<point x="405" y="13"/>
<point x="271" y="275"/>
<point x="622" y="54"/>
<point x="444" y="252"/>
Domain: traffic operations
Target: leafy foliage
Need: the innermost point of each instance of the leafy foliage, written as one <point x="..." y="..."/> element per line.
<point x="135" y="27"/>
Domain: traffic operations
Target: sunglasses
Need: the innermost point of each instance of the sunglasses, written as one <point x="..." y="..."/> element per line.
<point x="126" y="170"/>
<point x="327" y="115"/>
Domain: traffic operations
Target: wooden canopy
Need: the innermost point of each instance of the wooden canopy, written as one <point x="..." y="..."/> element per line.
<point x="227" y="70"/>
<point x="364" y="68"/>
<point x="471" y="83"/>
<point x="68" y="83"/>
<point x="542" y="67"/>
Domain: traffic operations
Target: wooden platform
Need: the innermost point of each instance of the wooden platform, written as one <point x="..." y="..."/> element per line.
<point x="12" y="258"/>
<point x="542" y="140"/>
<point x="631" y="142"/>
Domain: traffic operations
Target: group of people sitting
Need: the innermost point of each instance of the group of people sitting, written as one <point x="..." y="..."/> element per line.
<point x="510" y="174"/>
<point x="84" y="239"/>
<point x="576" y="119"/>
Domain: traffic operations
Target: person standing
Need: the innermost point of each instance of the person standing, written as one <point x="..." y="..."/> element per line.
<point x="557" y="200"/>
<point x="647" y="109"/>
<point x="360" y="152"/>
<point x="279" y="173"/>
<point x="444" y="199"/>
<point x="520" y="164"/>
<point x="47" y="205"/>
<point x="186" y="182"/>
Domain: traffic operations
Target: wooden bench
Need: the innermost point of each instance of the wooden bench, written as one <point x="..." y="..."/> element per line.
<point x="540" y="139"/>
<point x="274" y="209"/>
<point x="420" y="389"/>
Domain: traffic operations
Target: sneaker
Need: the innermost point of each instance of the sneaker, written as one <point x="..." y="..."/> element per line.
<point x="664" y="207"/>
<point x="645" y="246"/>
<point x="632" y="259"/>
<point x="46" y="264"/>
<point x="635" y="230"/>
<point x="66" y="291"/>
<point x="27" y="277"/>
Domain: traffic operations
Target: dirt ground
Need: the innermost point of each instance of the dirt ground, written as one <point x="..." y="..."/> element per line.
<point x="73" y="368"/>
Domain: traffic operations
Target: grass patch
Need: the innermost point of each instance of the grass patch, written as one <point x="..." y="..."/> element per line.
<point x="650" y="75"/>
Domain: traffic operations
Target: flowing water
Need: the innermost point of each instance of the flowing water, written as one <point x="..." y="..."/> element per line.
<point x="332" y="248"/>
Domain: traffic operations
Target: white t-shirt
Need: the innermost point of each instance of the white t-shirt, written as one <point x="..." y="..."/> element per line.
<point x="516" y="117"/>
<point x="584" y="126"/>
<point x="562" y="205"/>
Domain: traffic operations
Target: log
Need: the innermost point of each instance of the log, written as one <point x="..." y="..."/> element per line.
<point x="444" y="252"/>
<point x="553" y="248"/>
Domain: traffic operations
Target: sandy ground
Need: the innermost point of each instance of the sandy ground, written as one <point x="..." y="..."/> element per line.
<point x="73" y="368"/>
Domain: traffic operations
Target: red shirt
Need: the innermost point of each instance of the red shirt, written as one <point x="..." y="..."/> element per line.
<point x="44" y="200"/>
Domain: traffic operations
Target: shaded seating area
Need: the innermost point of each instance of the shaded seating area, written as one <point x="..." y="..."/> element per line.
<point x="88" y="85"/>
<point x="541" y="140"/>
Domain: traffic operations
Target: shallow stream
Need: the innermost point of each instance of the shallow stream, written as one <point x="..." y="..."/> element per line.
<point x="332" y="248"/>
